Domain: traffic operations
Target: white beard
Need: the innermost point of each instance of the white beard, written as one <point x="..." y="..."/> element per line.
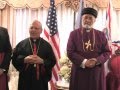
<point x="87" y="26"/>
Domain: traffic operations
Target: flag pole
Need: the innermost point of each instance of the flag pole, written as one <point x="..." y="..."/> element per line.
<point x="74" y="20"/>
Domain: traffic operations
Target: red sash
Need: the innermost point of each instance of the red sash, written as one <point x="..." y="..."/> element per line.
<point x="1" y="57"/>
<point x="3" y="76"/>
<point x="37" y="65"/>
<point x="35" y="51"/>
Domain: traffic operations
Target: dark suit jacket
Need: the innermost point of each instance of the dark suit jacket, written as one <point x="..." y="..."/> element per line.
<point x="5" y="47"/>
<point x="5" y="52"/>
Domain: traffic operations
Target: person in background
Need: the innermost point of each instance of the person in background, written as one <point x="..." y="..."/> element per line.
<point x="34" y="58"/>
<point x="5" y="58"/>
<point x="113" y="76"/>
<point x="88" y="50"/>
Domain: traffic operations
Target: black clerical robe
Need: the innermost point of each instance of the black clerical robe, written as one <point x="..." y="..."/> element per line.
<point x="27" y="76"/>
<point x="82" y="45"/>
<point x="5" y="57"/>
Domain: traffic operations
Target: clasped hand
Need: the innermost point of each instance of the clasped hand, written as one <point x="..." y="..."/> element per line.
<point x="90" y="63"/>
<point x="33" y="59"/>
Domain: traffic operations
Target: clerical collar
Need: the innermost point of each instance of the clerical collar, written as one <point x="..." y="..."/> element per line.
<point x="87" y="29"/>
<point x="31" y="41"/>
<point x="88" y="45"/>
<point x="34" y="40"/>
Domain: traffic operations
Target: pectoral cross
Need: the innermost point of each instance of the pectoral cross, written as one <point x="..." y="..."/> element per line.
<point x="88" y="44"/>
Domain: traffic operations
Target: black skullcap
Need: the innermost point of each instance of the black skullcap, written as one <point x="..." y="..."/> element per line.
<point x="89" y="10"/>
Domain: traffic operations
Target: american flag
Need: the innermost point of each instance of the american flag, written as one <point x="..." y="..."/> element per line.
<point x="108" y="21"/>
<point x="109" y="24"/>
<point x="52" y="36"/>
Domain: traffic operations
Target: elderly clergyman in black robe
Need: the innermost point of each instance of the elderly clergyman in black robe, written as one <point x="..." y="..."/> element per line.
<point x="88" y="50"/>
<point x="33" y="57"/>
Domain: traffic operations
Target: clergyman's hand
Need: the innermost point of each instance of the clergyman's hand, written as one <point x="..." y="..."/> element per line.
<point x="37" y="60"/>
<point x="90" y="63"/>
<point x="33" y="59"/>
<point x="28" y="59"/>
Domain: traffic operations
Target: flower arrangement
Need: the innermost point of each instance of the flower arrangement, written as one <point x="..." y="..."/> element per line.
<point x="65" y="67"/>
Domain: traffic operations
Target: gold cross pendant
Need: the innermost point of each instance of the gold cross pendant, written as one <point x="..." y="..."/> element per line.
<point x="88" y="44"/>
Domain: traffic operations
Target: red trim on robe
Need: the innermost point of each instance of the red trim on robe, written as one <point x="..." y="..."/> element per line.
<point x="3" y="80"/>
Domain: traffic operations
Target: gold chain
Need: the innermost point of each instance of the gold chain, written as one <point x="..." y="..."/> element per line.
<point x="32" y="47"/>
<point x="88" y="43"/>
